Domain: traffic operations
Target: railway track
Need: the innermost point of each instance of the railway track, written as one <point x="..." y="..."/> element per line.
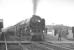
<point x="66" y="45"/>
<point x="22" y="45"/>
<point x="14" y="45"/>
<point x="30" y="45"/>
<point x="36" y="47"/>
<point x="51" y="46"/>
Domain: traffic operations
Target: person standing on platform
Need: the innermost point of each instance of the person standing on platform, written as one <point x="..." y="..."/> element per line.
<point x="59" y="34"/>
<point x="55" y="32"/>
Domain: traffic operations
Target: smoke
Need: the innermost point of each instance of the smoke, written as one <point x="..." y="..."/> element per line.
<point x="35" y="2"/>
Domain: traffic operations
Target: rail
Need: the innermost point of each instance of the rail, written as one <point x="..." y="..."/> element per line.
<point x="57" y="46"/>
<point x="16" y="41"/>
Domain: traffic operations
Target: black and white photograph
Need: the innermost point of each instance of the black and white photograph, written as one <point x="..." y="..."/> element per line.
<point x="36" y="24"/>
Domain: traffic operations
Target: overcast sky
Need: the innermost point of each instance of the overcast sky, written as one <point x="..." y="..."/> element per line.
<point x="54" y="11"/>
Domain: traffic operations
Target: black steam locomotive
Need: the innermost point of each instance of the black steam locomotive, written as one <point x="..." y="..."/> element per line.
<point x="32" y="29"/>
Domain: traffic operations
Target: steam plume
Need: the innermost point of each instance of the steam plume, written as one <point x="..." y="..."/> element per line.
<point x="34" y="6"/>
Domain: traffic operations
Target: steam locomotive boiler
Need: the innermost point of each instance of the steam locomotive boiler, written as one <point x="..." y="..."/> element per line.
<point x="33" y="28"/>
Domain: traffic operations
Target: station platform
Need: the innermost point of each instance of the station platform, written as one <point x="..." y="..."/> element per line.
<point x="54" y="39"/>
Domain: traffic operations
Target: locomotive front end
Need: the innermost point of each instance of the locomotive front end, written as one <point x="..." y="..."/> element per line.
<point x="37" y="26"/>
